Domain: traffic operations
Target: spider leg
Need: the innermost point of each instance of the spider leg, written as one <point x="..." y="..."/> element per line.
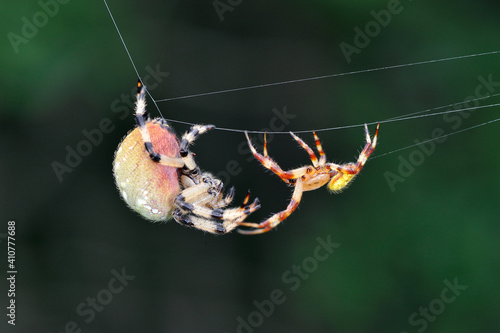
<point x="311" y="153"/>
<point x="269" y="163"/>
<point x="265" y="144"/>
<point x="193" y="221"/>
<point x="226" y="201"/>
<point x="188" y="139"/>
<point x="214" y="187"/>
<point x="142" y="118"/>
<point x="198" y="195"/>
<point x="205" y="199"/>
<point x="322" y="156"/>
<point x="277" y="218"/>
<point x="193" y="213"/>
<point x="366" y="152"/>
<point x="347" y="172"/>
<point x="369" y="147"/>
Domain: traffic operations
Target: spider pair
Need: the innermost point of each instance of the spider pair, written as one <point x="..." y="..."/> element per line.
<point x="157" y="177"/>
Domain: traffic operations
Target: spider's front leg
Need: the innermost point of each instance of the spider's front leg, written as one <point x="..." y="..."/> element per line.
<point x="347" y="172"/>
<point x="188" y="139"/>
<point x="142" y="119"/>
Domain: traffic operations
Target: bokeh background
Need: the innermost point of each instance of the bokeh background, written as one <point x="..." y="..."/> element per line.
<point x="434" y="220"/>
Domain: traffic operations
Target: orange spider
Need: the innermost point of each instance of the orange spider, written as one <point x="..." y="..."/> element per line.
<point x="308" y="178"/>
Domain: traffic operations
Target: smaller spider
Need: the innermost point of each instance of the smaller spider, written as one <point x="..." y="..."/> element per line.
<point x="157" y="177"/>
<point x="308" y="178"/>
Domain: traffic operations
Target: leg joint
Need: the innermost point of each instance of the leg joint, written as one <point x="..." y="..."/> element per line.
<point x="152" y="154"/>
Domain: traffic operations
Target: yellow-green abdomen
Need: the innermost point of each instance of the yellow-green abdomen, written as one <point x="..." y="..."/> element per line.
<point x="149" y="188"/>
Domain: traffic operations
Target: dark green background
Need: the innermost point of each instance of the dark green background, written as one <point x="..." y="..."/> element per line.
<point x="397" y="245"/>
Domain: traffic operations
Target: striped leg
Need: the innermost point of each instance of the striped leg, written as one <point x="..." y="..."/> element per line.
<point x="370" y="145"/>
<point x="311" y="153"/>
<point x="141" y="117"/>
<point x="277" y="218"/>
<point x="211" y="226"/>
<point x="363" y="156"/>
<point x="268" y="162"/>
<point x="218" y="202"/>
<point x="322" y="156"/>
<point x="193" y="212"/>
<point x="187" y="139"/>
<point x="347" y="172"/>
<point x="193" y="200"/>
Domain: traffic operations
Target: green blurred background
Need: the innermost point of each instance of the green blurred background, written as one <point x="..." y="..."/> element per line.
<point x="435" y="219"/>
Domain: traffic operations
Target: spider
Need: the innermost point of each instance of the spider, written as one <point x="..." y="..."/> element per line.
<point x="157" y="177"/>
<point x="308" y="178"/>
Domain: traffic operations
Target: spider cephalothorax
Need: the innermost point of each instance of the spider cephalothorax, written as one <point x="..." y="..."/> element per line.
<point x="158" y="177"/>
<point x="309" y="178"/>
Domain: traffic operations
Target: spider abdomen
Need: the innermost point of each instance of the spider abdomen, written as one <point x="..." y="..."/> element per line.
<point x="148" y="187"/>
